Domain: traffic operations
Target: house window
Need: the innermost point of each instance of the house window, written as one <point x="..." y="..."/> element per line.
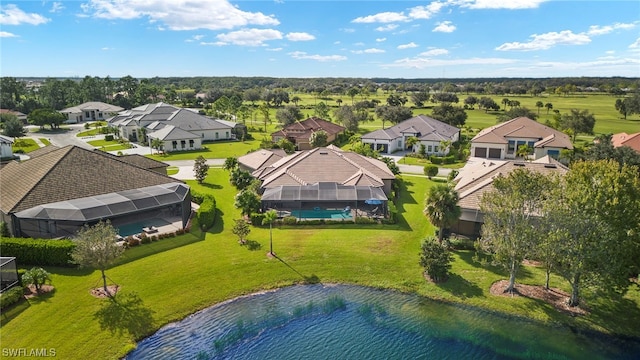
<point x="435" y="149"/>
<point x="399" y="143"/>
<point x="429" y="148"/>
<point x="190" y="143"/>
<point x="203" y="135"/>
<point x="183" y="144"/>
<point x="226" y="135"/>
<point x="217" y="136"/>
<point x="554" y="153"/>
<point x="175" y="144"/>
<point x="512" y="147"/>
<point x="530" y="145"/>
<point x="86" y="114"/>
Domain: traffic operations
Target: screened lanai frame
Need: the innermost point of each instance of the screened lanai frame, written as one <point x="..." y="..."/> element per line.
<point x="110" y="205"/>
<point x="8" y="273"/>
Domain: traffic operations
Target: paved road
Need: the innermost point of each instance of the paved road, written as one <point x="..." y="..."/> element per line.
<point x="63" y="138"/>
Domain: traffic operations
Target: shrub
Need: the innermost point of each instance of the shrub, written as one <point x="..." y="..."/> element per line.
<point x="154" y="238"/>
<point x="393" y="213"/>
<point x="256" y="219"/>
<point x="131" y="241"/>
<point x="11" y="296"/>
<point x="365" y="220"/>
<point x="430" y="171"/>
<point x="436" y="260"/>
<point x="39" y="252"/>
<point x="4" y="229"/>
<point x="36" y="277"/>
<point x="207" y="212"/>
<point x="289" y="220"/>
<point x="144" y="239"/>
<point x="108" y="137"/>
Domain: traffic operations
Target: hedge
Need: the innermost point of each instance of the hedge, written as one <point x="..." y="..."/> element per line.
<point x="256" y="219"/>
<point x="11" y="296"/>
<point x="207" y="212"/>
<point x="41" y="252"/>
<point x="443" y="159"/>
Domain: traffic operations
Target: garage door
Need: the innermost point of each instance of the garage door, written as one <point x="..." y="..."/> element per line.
<point x="480" y="152"/>
<point x="494" y="153"/>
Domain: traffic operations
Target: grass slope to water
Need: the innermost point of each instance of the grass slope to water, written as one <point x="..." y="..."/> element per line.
<point x="168" y="280"/>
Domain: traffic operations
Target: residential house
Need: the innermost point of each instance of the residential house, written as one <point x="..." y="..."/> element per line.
<point x="6" y="150"/>
<point x="260" y="159"/>
<point x="90" y="111"/>
<point x="624" y="139"/>
<point x="476" y="179"/>
<point x="299" y="133"/>
<point x="503" y="140"/>
<point x="54" y="194"/>
<point x="179" y="129"/>
<point x="22" y="117"/>
<point x="324" y="177"/>
<point x="430" y="132"/>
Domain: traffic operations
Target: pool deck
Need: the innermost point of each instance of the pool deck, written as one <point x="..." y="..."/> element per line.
<point x="173" y="224"/>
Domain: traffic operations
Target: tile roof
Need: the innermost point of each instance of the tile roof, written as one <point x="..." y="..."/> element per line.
<point x="261" y="158"/>
<point x="68" y="173"/>
<point x="303" y="129"/>
<point x="325" y="165"/>
<point x="523" y="127"/>
<point x="472" y="183"/>
<point x="624" y="139"/>
<point x="92" y="105"/>
<point x="427" y="128"/>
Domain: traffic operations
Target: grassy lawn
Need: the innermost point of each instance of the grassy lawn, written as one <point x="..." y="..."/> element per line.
<point x="423" y="162"/>
<point x="215" y="150"/>
<point x="168" y="280"/>
<point x="25" y="144"/>
<point x="172" y="170"/>
<point x="45" y="141"/>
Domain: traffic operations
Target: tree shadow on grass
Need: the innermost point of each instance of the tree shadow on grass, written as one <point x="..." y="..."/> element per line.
<point x="13" y="311"/>
<point x="211" y="186"/>
<point x="480" y="261"/>
<point x="460" y="287"/>
<point x="312" y="279"/>
<point x="218" y="223"/>
<point x="125" y="313"/>
<point x="252" y="245"/>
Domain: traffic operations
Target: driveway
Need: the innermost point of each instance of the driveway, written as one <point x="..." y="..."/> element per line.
<point x="62" y="138"/>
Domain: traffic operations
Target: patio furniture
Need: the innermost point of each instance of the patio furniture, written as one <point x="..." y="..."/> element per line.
<point x="150" y="230"/>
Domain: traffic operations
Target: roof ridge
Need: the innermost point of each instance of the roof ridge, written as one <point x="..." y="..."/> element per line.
<point x="119" y="159"/>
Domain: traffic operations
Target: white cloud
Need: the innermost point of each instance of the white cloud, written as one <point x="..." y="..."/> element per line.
<point x="180" y="14"/>
<point x="444" y="26"/>
<point x="422" y="63"/>
<point x="106" y="48"/>
<point x="195" y="38"/>
<point x="384" y="17"/>
<point x="4" y="34"/>
<point x="56" y="7"/>
<point x="408" y="46"/>
<point x="301" y="55"/>
<point x="547" y="41"/>
<point x="388" y="27"/>
<point x="250" y="37"/>
<point x="11" y="15"/>
<point x="501" y="4"/>
<point x="635" y="44"/>
<point x="434" y="52"/>
<point x="426" y="12"/>
<point x="381" y="39"/>
<point x="299" y="36"/>
<point x="602" y="30"/>
<point x="369" y="51"/>
<point x="274" y="49"/>
<point x="215" y="43"/>
<point x="348" y="30"/>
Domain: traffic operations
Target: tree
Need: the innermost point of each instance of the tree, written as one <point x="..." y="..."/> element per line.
<point x="393" y="114"/>
<point x="594" y="218"/>
<point x="13" y="127"/>
<point x="441" y="207"/>
<point x="548" y="106"/>
<point x="510" y="214"/>
<point x="539" y="105"/>
<point x="452" y="115"/>
<point x="96" y="248"/>
<point x="241" y="229"/>
<point x="524" y="151"/>
<point x="471" y="101"/>
<point x="436" y="260"/>
<point x="247" y="201"/>
<point x="578" y="121"/>
<point x="286" y="145"/>
<point x="241" y="179"/>
<point x="36" y="277"/>
<point x="42" y="117"/>
<point x="445" y="98"/>
<point x="517" y="112"/>
<point x="318" y="138"/>
<point x="322" y="111"/>
<point x="264" y="110"/>
<point x="200" y="169"/>
<point x="430" y="171"/>
<point x="230" y="163"/>
<point x="411" y="142"/>
<point x="269" y="217"/>
<point x="419" y="98"/>
<point x="157" y="144"/>
<point x="487" y="104"/>
<point x="628" y="106"/>
<point x="289" y="115"/>
<point x="350" y="116"/>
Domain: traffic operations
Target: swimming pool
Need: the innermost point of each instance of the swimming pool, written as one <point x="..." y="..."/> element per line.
<point x="136" y="227"/>
<point x="322" y="214"/>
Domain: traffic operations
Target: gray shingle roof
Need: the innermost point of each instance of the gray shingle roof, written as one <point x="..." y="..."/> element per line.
<point x="93" y="105"/>
<point x="69" y="173"/>
<point x="170" y="132"/>
<point x="428" y="128"/>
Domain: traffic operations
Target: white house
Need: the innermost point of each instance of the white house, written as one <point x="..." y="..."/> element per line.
<point x="6" y="151"/>
<point x="430" y="132"/>
<point x="90" y="111"/>
<point x="179" y="129"/>
<point x="502" y="141"/>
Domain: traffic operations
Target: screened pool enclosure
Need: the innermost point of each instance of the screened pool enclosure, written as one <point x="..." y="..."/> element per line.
<point x="8" y="273"/>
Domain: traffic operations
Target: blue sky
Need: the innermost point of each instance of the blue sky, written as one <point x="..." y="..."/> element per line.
<point x="362" y="38"/>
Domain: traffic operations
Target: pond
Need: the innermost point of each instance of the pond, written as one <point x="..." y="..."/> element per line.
<point x="353" y="322"/>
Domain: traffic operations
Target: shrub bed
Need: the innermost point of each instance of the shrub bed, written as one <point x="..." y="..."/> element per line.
<point x="40" y="252"/>
<point x="207" y="212"/>
<point x="11" y="296"/>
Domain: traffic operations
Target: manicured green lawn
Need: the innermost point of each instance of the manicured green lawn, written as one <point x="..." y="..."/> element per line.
<point x="165" y="281"/>
<point x="45" y="141"/>
<point x="25" y="144"/>
<point x="172" y="170"/>
<point x="423" y="162"/>
<point x="215" y="150"/>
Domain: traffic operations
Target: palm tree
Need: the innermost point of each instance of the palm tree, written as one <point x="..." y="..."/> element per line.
<point x="539" y="104"/>
<point x="230" y="163"/>
<point x="549" y="106"/>
<point x="411" y="142"/>
<point x="441" y="207"/>
<point x="505" y="102"/>
<point x="157" y="144"/>
<point x="269" y="217"/>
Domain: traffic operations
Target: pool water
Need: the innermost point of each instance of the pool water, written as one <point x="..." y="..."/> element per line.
<point x="322" y="214"/>
<point x="353" y="322"/>
<point x="136" y="227"/>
